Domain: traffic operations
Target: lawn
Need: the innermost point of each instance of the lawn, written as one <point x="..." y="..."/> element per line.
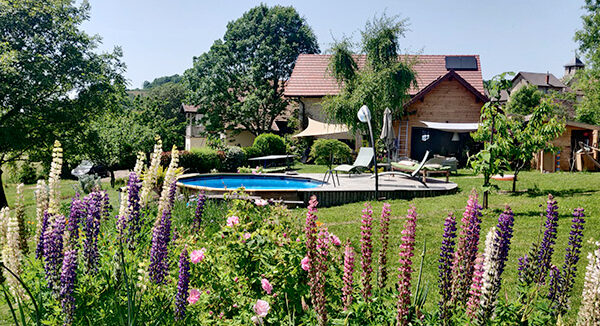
<point x="570" y="189"/>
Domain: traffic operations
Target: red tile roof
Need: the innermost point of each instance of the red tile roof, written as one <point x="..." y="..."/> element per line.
<point x="311" y="78"/>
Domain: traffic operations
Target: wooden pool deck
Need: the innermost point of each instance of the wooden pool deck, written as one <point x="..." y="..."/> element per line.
<point x="351" y="189"/>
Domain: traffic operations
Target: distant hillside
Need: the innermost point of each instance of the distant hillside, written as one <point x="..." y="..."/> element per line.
<point x="162" y="80"/>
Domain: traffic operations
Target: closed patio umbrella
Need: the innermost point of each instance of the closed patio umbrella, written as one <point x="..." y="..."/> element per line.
<point x="387" y="131"/>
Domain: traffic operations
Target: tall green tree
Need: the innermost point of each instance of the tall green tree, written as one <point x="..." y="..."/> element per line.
<point x="524" y="100"/>
<point x="588" y="110"/>
<point x="240" y="80"/>
<point x="53" y="83"/>
<point x="383" y="82"/>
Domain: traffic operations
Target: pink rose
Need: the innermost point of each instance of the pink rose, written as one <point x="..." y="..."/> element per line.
<point x="305" y="263"/>
<point x="335" y="240"/>
<point x="266" y="286"/>
<point x="194" y="296"/>
<point x="197" y="256"/>
<point x="261" y="202"/>
<point x="247" y="235"/>
<point x="232" y="221"/>
<point x="235" y="279"/>
<point x="261" y="308"/>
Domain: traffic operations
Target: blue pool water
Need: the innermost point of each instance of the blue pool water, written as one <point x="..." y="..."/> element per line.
<point x="251" y="182"/>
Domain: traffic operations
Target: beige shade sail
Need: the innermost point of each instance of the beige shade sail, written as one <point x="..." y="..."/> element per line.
<point x="325" y="130"/>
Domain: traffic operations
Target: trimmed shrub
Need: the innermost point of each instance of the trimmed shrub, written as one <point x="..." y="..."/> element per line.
<point x="269" y="144"/>
<point x="199" y="160"/>
<point x="234" y="158"/>
<point x="324" y="150"/>
<point x="251" y="152"/>
<point x="27" y="173"/>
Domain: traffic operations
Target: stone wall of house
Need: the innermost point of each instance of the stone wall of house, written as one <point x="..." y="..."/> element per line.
<point x="449" y="102"/>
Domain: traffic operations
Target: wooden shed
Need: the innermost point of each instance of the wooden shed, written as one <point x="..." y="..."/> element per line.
<point x="567" y="157"/>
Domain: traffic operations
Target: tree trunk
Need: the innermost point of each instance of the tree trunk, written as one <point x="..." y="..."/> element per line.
<point x="112" y="178"/>
<point x="3" y="201"/>
<point x="514" y="189"/>
<point x="486" y="183"/>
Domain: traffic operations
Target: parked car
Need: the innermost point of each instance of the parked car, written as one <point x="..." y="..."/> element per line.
<point x="88" y="167"/>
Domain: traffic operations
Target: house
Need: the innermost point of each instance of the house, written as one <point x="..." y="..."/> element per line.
<point x="444" y="107"/>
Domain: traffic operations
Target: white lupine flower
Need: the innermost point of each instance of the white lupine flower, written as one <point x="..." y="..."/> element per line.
<point x="41" y="205"/>
<point x="170" y="176"/>
<point x="54" y="179"/>
<point x="12" y="255"/>
<point x="4" y="217"/>
<point x="589" y="312"/>
<point x="149" y="178"/>
<point x="139" y="163"/>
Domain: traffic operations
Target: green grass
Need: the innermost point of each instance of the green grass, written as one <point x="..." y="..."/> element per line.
<point x="571" y="190"/>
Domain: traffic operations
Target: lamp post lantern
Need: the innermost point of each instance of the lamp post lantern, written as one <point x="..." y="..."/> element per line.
<point x="364" y="115"/>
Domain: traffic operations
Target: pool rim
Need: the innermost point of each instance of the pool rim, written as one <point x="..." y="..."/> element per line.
<point x="278" y="175"/>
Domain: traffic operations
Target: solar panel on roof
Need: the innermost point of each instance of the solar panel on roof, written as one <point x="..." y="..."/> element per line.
<point x="461" y="63"/>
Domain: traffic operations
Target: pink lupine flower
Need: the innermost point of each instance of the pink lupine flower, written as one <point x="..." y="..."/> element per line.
<point x="197" y="256"/>
<point x="321" y="266"/>
<point x="261" y="202"/>
<point x="384" y="223"/>
<point x="407" y="248"/>
<point x="366" y="249"/>
<point x="348" y="275"/>
<point x="475" y="292"/>
<point x="335" y="240"/>
<point x="233" y="221"/>
<point x="261" y="308"/>
<point x="194" y="296"/>
<point x="305" y="263"/>
<point x="266" y="285"/>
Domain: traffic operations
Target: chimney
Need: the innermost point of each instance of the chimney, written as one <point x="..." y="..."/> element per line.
<point x="547" y="78"/>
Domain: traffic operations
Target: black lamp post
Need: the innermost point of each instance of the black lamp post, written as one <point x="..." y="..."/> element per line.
<point x="364" y="115"/>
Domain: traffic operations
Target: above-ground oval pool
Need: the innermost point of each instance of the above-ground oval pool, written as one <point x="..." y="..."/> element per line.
<point x="250" y="182"/>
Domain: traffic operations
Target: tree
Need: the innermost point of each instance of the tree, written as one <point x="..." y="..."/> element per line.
<point x="160" y="111"/>
<point x="239" y="81"/>
<point x="525" y="137"/>
<point x="175" y="79"/>
<point x="492" y="132"/>
<point x="588" y="110"/>
<point x="524" y="100"/>
<point x="53" y="83"/>
<point x="383" y="82"/>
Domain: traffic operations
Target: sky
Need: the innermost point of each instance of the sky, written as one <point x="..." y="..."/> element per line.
<point x="161" y="37"/>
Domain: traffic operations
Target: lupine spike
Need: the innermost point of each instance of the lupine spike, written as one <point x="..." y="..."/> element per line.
<point x="366" y="249"/>
<point x="445" y="266"/>
<point x="67" y="285"/>
<point x="384" y="231"/>
<point x="348" y="277"/>
<point x="182" y="286"/>
<point x="53" y="253"/>
<point x="200" y="202"/>
<point x="321" y="267"/>
<point x="310" y="231"/>
<point x="589" y="312"/>
<point x="161" y="236"/>
<point x="407" y="248"/>
<point x="546" y="248"/>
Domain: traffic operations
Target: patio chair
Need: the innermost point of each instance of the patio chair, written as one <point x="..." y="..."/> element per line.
<point x="363" y="161"/>
<point x="409" y="169"/>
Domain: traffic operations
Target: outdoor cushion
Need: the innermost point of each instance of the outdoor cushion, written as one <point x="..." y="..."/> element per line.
<point x="407" y="162"/>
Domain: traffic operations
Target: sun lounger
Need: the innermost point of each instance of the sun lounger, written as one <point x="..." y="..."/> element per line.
<point x="425" y="168"/>
<point x="363" y="161"/>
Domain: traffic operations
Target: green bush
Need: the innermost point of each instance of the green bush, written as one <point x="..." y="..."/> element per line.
<point x="269" y="144"/>
<point x="27" y="173"/>
<point x="234" y="158"/>
<point x="199" y="160"/>
<point x="323" y="150"/>
<point x="251" y="152"/>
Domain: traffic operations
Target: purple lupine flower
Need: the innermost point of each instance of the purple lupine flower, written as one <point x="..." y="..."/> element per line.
<point x="53" y="255"/>
<point x="310" y="231"/>
<point x="554" y="286"/>
<point x="407" y="248"/>
<point x="39" y="251"/>
<point x="546" y="248"/>
<point x="524" y="266"/>
<point x="321" y="267"/>
<point x="366" y="249"/>
<point x="161" y="236"/>
<point x="91" y="228"/>
<point x="384" y="231"/>
<point x="68" y="278"/>
<point x="569" y="267"/>
<point x="182" y="286"/>
<point x="495" y="262"/>
<point x="133" y="210"/>
<point x="466" y="250"/>
<point x="445" y="266"/>
<point x="77" y="215"/>
<point x="348" y="277"/>
<point x="200" y="202"/>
